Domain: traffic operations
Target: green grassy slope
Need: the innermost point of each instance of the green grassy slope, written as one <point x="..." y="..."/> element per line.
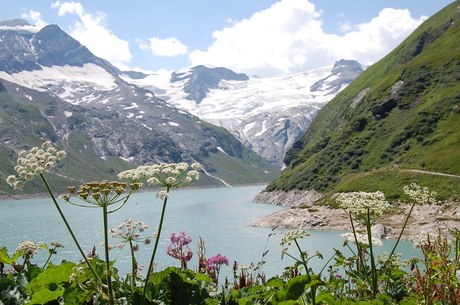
<point x="401" y="113"/>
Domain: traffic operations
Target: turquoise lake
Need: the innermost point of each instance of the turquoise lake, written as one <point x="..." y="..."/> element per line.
<point x="221" y="216"/>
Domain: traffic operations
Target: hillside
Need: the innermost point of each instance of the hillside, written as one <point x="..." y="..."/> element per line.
<point x="401" y="114"/>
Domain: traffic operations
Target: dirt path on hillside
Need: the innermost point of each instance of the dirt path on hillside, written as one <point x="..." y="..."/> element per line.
<point x="429" y="173"/>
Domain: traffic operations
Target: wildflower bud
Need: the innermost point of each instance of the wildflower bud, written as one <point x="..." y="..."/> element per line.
<point x="170" y="180"/>
<point x="96" y="195"/>
<point x="119" y="190"/>
<point x="61" y="155"/>
<point x="65" y="197"/>
<point x="153" y="180"/>
<point x="11" y="180"/>
<point x="71" y="189"/>
<point x="135" y="247"/>
<point x="197" y="166"/>
<point x="46" y="144"/>
<point x="162" y="195"/>
<point x="147" y="241"/>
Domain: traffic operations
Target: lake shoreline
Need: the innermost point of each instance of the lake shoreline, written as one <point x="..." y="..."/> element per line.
<point x="10" y="197"/>
<point x="302" y="213"/>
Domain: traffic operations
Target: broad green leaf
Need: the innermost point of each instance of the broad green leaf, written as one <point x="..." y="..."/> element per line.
<point x="275" y="282"/>
<point x="5" y="258"/>
<point x="51" y="278"/>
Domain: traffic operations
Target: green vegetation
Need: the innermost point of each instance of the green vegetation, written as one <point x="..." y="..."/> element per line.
<point x="362" y="278"/>
<point x="406" y="117"/>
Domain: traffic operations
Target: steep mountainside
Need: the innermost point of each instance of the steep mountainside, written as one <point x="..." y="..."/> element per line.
<point x="266" y="114"/>
<point x="51" y="87"/>
<point x="401" y="114"/>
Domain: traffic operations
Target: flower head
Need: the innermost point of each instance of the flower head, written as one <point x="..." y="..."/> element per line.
<point x="421" y="195"/>
<point x="34" y="162"/>
<point x="129" y="232"/>
<point x="290" y="236"/>
<point x="170" y="175"/>
<point x="216" y="261"/>
<point x="363" y="204"/>
<point x="362" y="239"/>
<point x="29" y="248"/>
<point x="101" y="193"/>
<point x="179" y="248"/>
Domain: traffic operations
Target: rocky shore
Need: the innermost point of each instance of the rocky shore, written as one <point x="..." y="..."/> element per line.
<point x="302" y="213"/>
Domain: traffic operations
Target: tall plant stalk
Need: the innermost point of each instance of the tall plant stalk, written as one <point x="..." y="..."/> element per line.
<point x="69" y="228"/>
<point x="371" y="253"/>
<point x="400" y="234"/>
<point x="106" y="250"/>
<point x="155" y="247"/>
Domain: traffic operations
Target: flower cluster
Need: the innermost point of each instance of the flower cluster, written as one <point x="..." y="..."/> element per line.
<point x="169" y="175"/>
<point x="28" y="248"/>
<point x="129" y="232"/>
<point x="363" y="204"/>
<point x="216" y="261"/>
<point x="34" y="162"/>
<point x="420" y="195"/>
<point x="362" y="239"/>
<point x="101" y="193"/>
<point x="179" y="248"/>
<point x="290" y="236"/>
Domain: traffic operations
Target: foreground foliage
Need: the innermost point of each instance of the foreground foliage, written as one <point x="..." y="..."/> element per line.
<point x="361" y="278"/>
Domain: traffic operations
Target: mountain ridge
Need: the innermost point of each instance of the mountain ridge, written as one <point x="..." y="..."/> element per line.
<point x="266" y="114"/>
<point x="55" y="89"/>
<point x="401" y="113"/>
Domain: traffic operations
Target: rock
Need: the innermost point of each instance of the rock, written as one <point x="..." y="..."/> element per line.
<point x="381" y="231"/>
<point x="294" y="198"/>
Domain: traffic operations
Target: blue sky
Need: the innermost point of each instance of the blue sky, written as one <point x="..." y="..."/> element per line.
<point x="257" y="37"/>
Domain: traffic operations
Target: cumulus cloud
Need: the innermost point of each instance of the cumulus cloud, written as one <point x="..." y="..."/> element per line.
<point x="35" y="18"/>
<point x="288" y="37"/>
<point x="92" y="33"/>
<point x="165" y="47"/>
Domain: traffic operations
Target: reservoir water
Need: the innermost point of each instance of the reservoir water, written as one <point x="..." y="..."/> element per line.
<point x="221" y="216"/>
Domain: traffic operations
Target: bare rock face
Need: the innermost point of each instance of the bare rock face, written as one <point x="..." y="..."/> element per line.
<point x="312" y="218"/>
<point x="424" y="220"/>
<point x="293" y="198"/>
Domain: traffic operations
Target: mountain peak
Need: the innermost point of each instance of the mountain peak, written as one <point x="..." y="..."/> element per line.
<point x="200" y="79"/>
<point x="343" y="73"/>
<point x="14" y="23"/>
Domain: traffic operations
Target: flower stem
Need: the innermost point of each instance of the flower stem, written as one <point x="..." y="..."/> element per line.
<point x="69" y="228"/>
<point x="400" y="235"/>
<point x="133" y="263"/>
<point x="49" y="257"/>
<point x="371" y="253"/>
<point x="360" y="252"/>
<point x="160" y="225"/>
<point x="106" y="249"/>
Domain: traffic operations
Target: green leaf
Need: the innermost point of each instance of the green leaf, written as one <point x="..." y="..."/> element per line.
<point x="275" y="282"/>
<point x="47" y="285"/>
<point x="6" y="259"/>
<point x="200" y="277"/>
<point x="45" y="296"/>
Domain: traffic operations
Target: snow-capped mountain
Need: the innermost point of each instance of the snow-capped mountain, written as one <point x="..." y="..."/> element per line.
<point x="267" y="114"/>
<point x="55" y="88"/>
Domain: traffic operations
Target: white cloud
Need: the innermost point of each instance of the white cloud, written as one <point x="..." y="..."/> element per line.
<point x="288" y="37"/>
<point x="92" y="33"/>
<point x="165" y="47"/>
<point x="35" y="18"/>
